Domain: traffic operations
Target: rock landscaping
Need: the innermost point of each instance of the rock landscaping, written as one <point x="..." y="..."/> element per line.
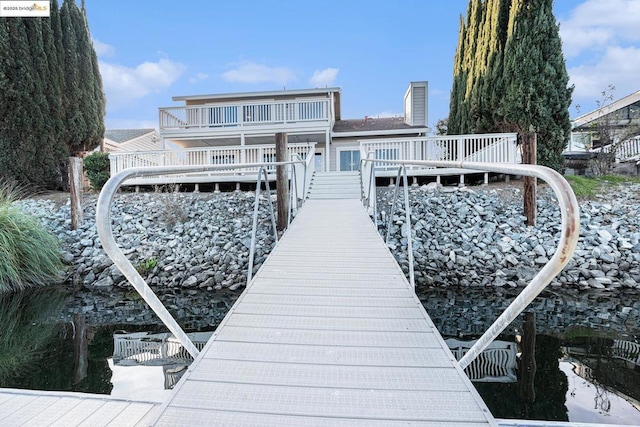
<point x="193" y="248"/>
<point x="478" y="238"/>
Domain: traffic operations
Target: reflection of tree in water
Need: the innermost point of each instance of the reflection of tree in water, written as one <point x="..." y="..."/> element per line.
<point x="550" y="389"/>
<point x="27" y="330"/>
<point x="609" y="374"/>
<point x="38" y="353"/>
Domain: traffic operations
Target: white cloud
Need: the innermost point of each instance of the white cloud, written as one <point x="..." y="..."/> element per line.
<point x="198" y="78"/>
<point x="597" y="24"/>
<point x="618" y="66"/>
<point x="600" y="41"/>
<point x="323" y="78"/>
<point x="103" y="49"/>
<point x="250" y="72"/>
<point x="124" y="84"/>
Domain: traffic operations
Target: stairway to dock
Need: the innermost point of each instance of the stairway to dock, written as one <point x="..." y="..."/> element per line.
<point x="335" y="185"/>
<point x="329" y="333"/>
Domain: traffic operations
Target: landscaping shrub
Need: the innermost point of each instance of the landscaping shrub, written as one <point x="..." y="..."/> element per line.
<point x="98" y="169"/>
<point x="29" y="254"/>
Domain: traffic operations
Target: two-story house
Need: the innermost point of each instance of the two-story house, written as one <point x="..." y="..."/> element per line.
<point x="307" y="116"/>
<point x="239" y="128"/>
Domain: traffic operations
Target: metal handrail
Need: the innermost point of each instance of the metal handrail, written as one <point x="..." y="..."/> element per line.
<point x="105" y="233"/>
<point x="402" y="170"/>
<point x="570" y="224"/>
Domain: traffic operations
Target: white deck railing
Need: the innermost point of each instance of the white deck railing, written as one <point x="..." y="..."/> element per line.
<point x="485" y="148"/>
<point x="244" y="114"/>
<point x="232" y="155"/>
<point x="624" y="150"/>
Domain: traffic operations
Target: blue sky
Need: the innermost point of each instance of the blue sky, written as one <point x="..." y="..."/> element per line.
<point x="150" y="51"/>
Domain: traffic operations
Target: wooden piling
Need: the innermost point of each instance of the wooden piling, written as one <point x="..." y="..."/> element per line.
<point x="529" y="153"/>
<point x="76" y="190"/>
<point x="282" y="181"/>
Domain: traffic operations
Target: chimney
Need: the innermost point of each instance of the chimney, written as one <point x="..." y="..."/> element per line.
<point x="415" y="104"/>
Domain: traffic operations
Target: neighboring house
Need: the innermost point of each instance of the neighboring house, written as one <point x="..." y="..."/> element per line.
<point x="131" y="140"/>
<point x="617" y="122"/>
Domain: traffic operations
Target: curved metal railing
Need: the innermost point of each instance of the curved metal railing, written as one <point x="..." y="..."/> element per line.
<point x="570" y="230"/>
<point x="105" y="232"/>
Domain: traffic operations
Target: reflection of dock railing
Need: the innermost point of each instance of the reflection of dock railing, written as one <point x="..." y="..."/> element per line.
<point x="154" y="349"/>
<point x="626" y="350"/>
<point x="497" y="363"/>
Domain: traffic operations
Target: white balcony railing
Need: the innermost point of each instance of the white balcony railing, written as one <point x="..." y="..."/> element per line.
<point x="231" y="155"/>
<point x="244" y="114"/>
<point x="486" y="148"/>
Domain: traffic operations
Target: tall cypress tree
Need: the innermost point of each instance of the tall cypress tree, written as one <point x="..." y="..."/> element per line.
<point x="536" y="93"/>
<point x="51" y="99"/>
<point x="21" y="108"/>
<point x="510" y="75"/>
<point x="75" y="125"/>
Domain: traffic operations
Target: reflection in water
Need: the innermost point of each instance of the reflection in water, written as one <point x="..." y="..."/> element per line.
<point x="566" y="326"/>
<point x="27" y="329"/>
<point x="588" y="400"/>
<point x="163" y="349"/>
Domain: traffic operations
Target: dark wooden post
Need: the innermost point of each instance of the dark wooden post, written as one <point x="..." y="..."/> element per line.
<point x="528" y="359"/>
<point x="282" y="181"/>
<point x="80" y="349"/>
<point x="529" y="153"/>
<point x="75" y="188"/>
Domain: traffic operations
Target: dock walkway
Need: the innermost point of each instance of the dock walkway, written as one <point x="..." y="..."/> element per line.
<point x="330" y="333"/>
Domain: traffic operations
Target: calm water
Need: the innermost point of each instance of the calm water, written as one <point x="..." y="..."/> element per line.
<point x="578" y="377"/>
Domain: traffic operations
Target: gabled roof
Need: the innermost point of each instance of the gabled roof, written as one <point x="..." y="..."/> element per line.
<point x="132" y="140"/>
<point x="121" y="136"/>
<point x="607" y="109"/>
<point x="370" y="125"/>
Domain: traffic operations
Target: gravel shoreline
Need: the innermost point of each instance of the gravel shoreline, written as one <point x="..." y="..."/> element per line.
<point x="193" y="248"/>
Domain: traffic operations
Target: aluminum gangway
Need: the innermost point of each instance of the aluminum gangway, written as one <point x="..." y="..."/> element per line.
<point x="329" y="333"/>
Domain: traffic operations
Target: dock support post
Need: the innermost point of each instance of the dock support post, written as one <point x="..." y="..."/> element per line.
<point x="217" y="188"/>
<point x="529" y="142"/>
<point x="282" y="180"/>
<point x="76" y="190"/>
<point x="527" y="359"/>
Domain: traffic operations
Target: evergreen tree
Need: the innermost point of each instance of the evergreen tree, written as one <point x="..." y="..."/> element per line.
<point x="21" y="108"/>
<point x="75" y="124"/>
<point x="51" y="99"/>
<point x="510" y="75"/>
<point x="536" y="96"/>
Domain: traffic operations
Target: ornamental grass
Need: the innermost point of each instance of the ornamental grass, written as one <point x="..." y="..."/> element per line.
<point x="29" y="254"/>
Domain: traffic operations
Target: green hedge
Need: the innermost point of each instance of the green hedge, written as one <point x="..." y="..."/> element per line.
<point x="97" y="167"/>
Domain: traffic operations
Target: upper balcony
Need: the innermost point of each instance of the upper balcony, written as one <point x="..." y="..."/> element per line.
<point x="226" y="118"/>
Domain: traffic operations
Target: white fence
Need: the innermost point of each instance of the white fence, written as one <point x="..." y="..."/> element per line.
<point x="244" y="114"/>
<point x="625" y="150"/>
<point x="231" y="156"/>
<point x="486" y="148"/>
